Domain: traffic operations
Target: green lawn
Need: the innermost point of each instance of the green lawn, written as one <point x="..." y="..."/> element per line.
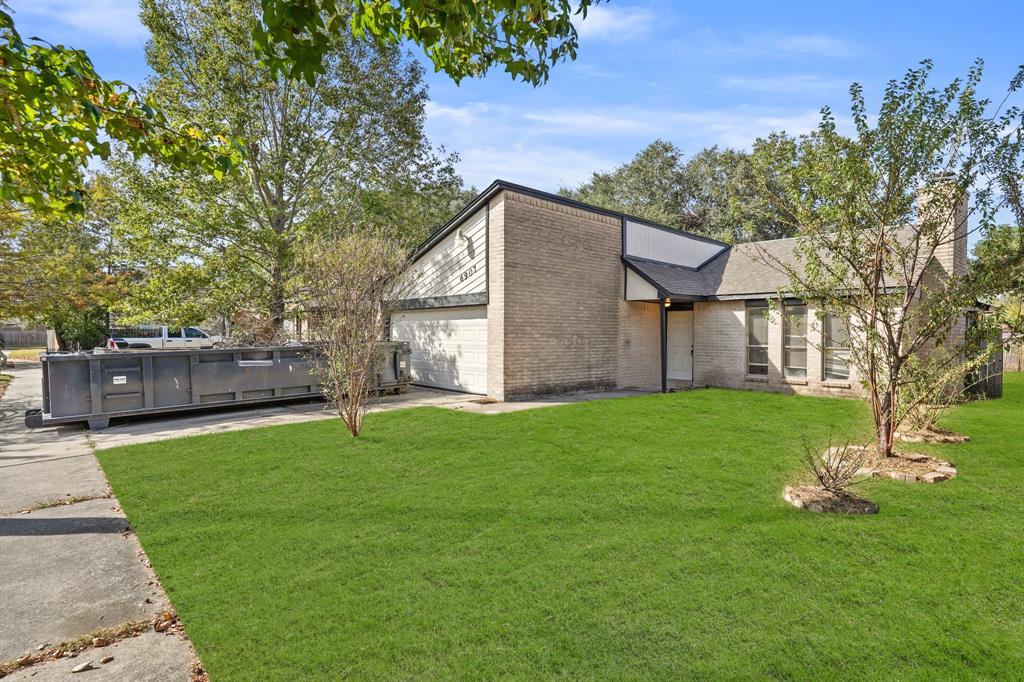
<point x="635" y="538"/>
<point x="23" y="353"/>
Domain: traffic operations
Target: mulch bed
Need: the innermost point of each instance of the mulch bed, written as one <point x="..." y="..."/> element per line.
<point x="934" y="435"/>
<point x="817" y="499"/>
<point x="912" y="468"/>
<point x="904" y="466"/>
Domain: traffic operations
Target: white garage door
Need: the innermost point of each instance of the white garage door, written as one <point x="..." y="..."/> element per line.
<point x="449" y="346"/>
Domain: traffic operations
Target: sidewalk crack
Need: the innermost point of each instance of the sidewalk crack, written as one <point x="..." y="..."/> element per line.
<point x="60" y="502"/>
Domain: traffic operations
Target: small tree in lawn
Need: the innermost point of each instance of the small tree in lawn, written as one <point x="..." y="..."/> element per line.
<point x="875" y="211"/>
<point x="351" y="285"/>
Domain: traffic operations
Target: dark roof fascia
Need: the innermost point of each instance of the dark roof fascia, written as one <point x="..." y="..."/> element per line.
<point x="724" y="252"/>
<point x="745" y="295"/>
<point x="456" y="301"/>
<point x="692" y="268"/>
<point x="559" y="199"/>
<point x="499" y="185"/>
<point x="771" y="294"/>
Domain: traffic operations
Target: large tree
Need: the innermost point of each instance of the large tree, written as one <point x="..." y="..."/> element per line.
<point x="62" y="270"/>
<point x="998" y="249"/>
<point x="463" y="38"/>
<point x="57" y="114"/>
<point x="319" y="156"/>
<point x="882" y="214"/>
<point x="712" y="193"/>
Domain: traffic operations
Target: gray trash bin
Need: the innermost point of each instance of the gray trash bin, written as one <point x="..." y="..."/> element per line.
<point x="97" y="386"/>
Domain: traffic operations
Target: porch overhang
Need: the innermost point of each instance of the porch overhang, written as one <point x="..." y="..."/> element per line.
<point x="643" y="285"/>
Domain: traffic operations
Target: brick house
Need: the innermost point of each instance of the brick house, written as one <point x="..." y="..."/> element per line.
<point x="525" y="293"/>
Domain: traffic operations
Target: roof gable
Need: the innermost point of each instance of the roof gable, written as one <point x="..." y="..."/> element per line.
<point x="503" y="185"/>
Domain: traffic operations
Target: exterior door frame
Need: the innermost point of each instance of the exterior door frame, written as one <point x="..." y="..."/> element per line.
<point x="672" y="315"/>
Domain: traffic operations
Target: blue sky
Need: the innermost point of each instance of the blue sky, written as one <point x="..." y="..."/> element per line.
<point x="694" y="73"/>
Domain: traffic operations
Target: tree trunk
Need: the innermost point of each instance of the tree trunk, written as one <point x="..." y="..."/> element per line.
<point x="885" y="426"/>
<point x="277" y="311"/>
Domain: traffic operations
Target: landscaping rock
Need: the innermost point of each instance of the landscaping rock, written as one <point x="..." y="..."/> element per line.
<point x="82" y="667"/>
<point x="898" y="475"/>
<point x="908" y="467"/>
<point x="915" y="457"/>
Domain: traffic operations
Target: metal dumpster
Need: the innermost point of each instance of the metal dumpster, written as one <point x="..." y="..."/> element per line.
<point x="97" y="386"/>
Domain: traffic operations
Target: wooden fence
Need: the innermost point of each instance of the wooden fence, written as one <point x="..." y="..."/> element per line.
<point x="1013" y="359"/>
<point x="18" y="337"/>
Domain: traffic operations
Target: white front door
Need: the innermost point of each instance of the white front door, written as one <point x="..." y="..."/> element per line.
<point x="680" y="345"/>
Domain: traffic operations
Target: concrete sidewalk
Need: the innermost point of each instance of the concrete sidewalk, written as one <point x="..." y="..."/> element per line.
<point x="71" y="569"/>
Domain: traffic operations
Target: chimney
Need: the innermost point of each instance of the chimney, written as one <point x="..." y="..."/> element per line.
<point x="943" y="202"/>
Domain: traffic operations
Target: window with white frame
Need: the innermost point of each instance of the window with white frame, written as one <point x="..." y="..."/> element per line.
<point x="757" y="340"/>
<point x="794" y="341"/>
<point x="836" y="349"/>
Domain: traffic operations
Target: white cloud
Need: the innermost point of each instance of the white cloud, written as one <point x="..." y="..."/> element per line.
<point x="113" y="20"/>
<point x="768" y="45"/>
<point x="541" y="166"/>
<point x="614" y="24"/>
<point x="635" y="122"/>
<point x="465" y="115"/>
<point x="588" y="122"/>
<point x="550" y="147"/>
<point x="823" y="46"/>
<point x="787" y="84"/>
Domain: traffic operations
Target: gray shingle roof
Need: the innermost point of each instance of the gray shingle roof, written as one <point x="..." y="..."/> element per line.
<point x="741" y="270"/>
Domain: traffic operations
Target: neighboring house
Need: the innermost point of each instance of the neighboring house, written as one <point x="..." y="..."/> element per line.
<point x="525" y="293"/>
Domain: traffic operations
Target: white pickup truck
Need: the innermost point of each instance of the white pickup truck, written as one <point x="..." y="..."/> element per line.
<point x="153" y="337"/>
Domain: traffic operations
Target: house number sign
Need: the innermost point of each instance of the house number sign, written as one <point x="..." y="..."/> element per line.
<point x="467" y="274"/>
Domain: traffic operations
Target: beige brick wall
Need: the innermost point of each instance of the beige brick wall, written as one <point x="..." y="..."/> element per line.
<point x="639" y="344"/>
<point x="556" y="317"/>
<point x="563" y="290"/>
<point x="496" y="298"/>
<point x="720" y="349"/>
<point x="951" y="259"/>
<point x="952" y="252"/>
<point x="718" y="344"/>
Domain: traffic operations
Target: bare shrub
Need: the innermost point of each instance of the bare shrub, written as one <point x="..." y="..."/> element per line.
<point x="351" y="286"/>
<point x="250" y="329"/>
<point x="835" y="471"/>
